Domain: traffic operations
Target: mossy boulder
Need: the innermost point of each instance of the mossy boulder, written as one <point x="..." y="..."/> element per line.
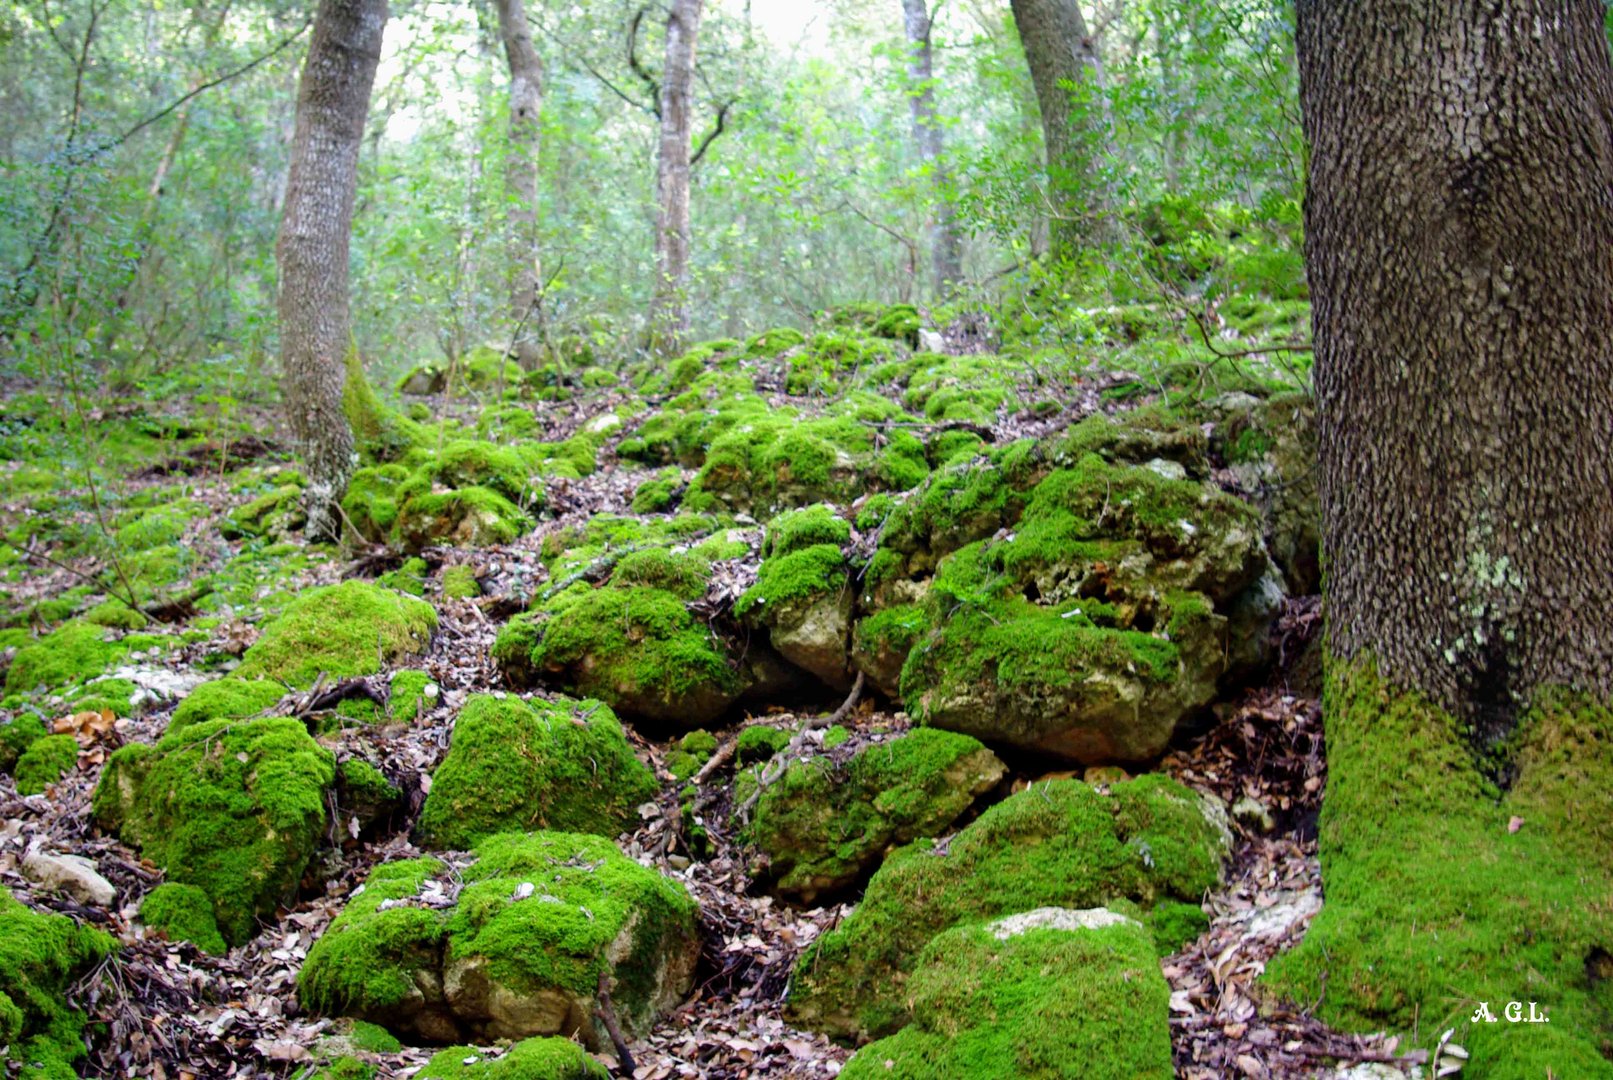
<point x="1050" y="994"/>
<point x="73" y="653"/>
<point x="1443" y="891"/>
<point x="759" y="742"/>
<point x="530" y="1059"/>
<point x="364" y="796"/>
<point x="1269" y="446"/>
<point x="540" y="918"/>
<point x="226" y="699"/>
<point x="16" y="737"/>
<point x="465" y="517"/>
<point x="183" y="913"/>
<point x="41" y="957"/>
<point x="512" y="765"/>
<point x="802" y="594"/>
<point x="1059" y="844"/>
<point x="423" y="380"/>
<point x="45" y="762"/>
<point x="277" y="514"/>
<point x="340" y="631"/>
<point x="824" y="825"/>
<point x="234" y="807"/>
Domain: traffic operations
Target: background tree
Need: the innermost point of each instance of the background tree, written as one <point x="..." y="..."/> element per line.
<point x="669" y="310"/>
<point x="946" y="247"/>
<point x="333" y="99"/>
<point x="521" y="176"/>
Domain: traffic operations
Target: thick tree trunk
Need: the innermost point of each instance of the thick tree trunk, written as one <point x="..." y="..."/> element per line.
<point x="669" y="307"/>
<point x="946" y="246"/>
<point x="1063" y="60"/>
<point x="521" y="177"/>
<point x="1459" y="235"/>
<point x="333" y="99"/>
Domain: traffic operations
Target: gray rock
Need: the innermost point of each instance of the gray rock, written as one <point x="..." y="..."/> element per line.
<point x="71" y="874"/>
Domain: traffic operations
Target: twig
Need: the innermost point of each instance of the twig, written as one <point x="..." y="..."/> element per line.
<point x="781" y="761"/>
<point x="607" y="1013"/>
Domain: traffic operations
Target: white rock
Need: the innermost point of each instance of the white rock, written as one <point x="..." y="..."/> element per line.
<point x="1055" y="918"/>
<point x="72" y="874"/>
<point x="931" y="341"/>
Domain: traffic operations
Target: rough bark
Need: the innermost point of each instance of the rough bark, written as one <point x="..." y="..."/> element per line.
<point x="521" y="177"/>
<point x="946" y="246"/>
<point x="1063" y="58"/>
<point x="333" y="99"/>
<point x="669" y="306"/>
<point x="1459" y="239"/>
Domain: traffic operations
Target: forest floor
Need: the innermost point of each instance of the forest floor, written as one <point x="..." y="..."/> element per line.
<point x="168" y="1011"/>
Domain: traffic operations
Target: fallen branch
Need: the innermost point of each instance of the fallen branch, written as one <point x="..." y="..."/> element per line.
<point x="781" y="761"/>
<point x="607" y="1014"/>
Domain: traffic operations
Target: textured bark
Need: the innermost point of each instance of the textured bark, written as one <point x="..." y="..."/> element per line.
<point x="669" y="307"/>
<point x="946" y="246"/>
<point x="333" y="99"/>
<point x="1459" y="234"/>
<point x="521" y="177"/>
<point x="1062" y="56"/>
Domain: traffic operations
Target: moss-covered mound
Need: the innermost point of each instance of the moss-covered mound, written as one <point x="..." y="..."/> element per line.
<point x="513" y="765"/>
<point x="1060" y="844"/>
<point x="226" y="699"/>
<point x="540" y="917"/>
<point x="45" y="762"/>
<point x="529" y="1059"/>
<point x="1052" y="994"/>
<point x="16" y="737"/>
<point x="340" y="631"/>
<point x="41" y="957"/>
<point x="183" y="913"/>
<point x="802" y="593"/>
<point x="1443" y="892"/>
<point x="235" y="808"/>
<point x="824" y="826"/>
<point x="73" y="653"/>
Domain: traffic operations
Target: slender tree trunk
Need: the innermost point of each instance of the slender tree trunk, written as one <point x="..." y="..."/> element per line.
<point x="1064" y="65"/>
<point x="1459" y="232"/>
<point x="333" y="99"/>
<point x="521" y="177"/>
<point x="669" y="307"/>
<point x="946" y="246"/>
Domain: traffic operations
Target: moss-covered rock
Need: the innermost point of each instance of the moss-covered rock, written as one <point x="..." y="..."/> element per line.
<point x="41" y="957"/>
<point x="1059" y="844"/>
<point x="410" y="694"/>
<point x="16" y="737"/>
<point x="226" y="699"/>
<point x="1443" y="892"/>
<point x="73" y="653"/>
<point x="45" y="762"/>
<point x="1269" y="445"/>
<point x="540" y="918"/>
<point x="341" y="631"/>
<point x="234" y="807"/>
<point x="465" y="517"/>
<point x="759" y="742"/>
<point x="530" y="1059"/>
<point x="277" y="514"/>
<point x="514" y="765"/>
<point x="823" y="826"/>
<point x="364" y="796"/>
<point x="183" y="913"/>
<point x="802" y="593"/>
<point x="459" y="583"/>
<point x="1051" y="994"/>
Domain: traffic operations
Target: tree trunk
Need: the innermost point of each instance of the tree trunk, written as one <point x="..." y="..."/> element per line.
<point x="1460" y="246"/>
<point x="333" y="99"/>
<point x="521" y="177"/>
<point x="946" y="247"/>
<point x="1064" y="65"/>
<point x="669" y="307"/>
<point x="1459" y="241"/>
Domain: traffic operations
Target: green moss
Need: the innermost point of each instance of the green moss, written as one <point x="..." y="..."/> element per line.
<point x="371" y="502"/>
<point x="1044" y="1004"/>
<point x="276" y="513"/>
<point x="513" y="766"/>
<point x="1174" y="925"/>
<point x="364" y="965"/>
<point x="41" y="957"/>
<point x="459" y="583"/>
<point x="183" y="913"/>
<point x="116" y="615"/>
<point x="468" y="517"/>
<point x="836" y="736"/>
<point x="594" y="901"/>
<point x="799" y="575"/>
<point x="226" y="699"/>
<point x="346" y="1068"/>
<point x="45" y="762"/>
<point x="773" y="342"/>
<point x="407" y="701"/>
<point x="529" y="1059"/>
<point x="1435" y="903"/>
<point x="794" y="530"/>
<point x="409" y="578"/>
<point x="660" y="494"/>
<point x="373" y="1038"/>
<point x="363" y="792"/>
<point x="16" y="737"/>
<point x="1058" y="844"/>
<point x="235" y="807"/>
<point x="702" y="743"/>
<point x="75" y="652"/>
<point x="341" y="631"/>
<point x="684" y="574"/>
<point x="759" y="743"/>
<point x="822" y="825"/>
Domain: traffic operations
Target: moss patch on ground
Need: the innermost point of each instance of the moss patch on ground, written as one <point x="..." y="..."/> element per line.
<point x="529" y="1059"/>
<point x="183" y="913"/>
<point x="73" y="653"/>
<point x="41" y="956"/>
<point x="340" y="631"/>
<point x="45" y="762"/>
<point x="1434" y="903"/>
<point x="515" y="765"/>
<point x="226" y="699"/>
<point x="823" y="826"/>
<point x="234" y="807"/>
<point x="1059" y="844"/>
